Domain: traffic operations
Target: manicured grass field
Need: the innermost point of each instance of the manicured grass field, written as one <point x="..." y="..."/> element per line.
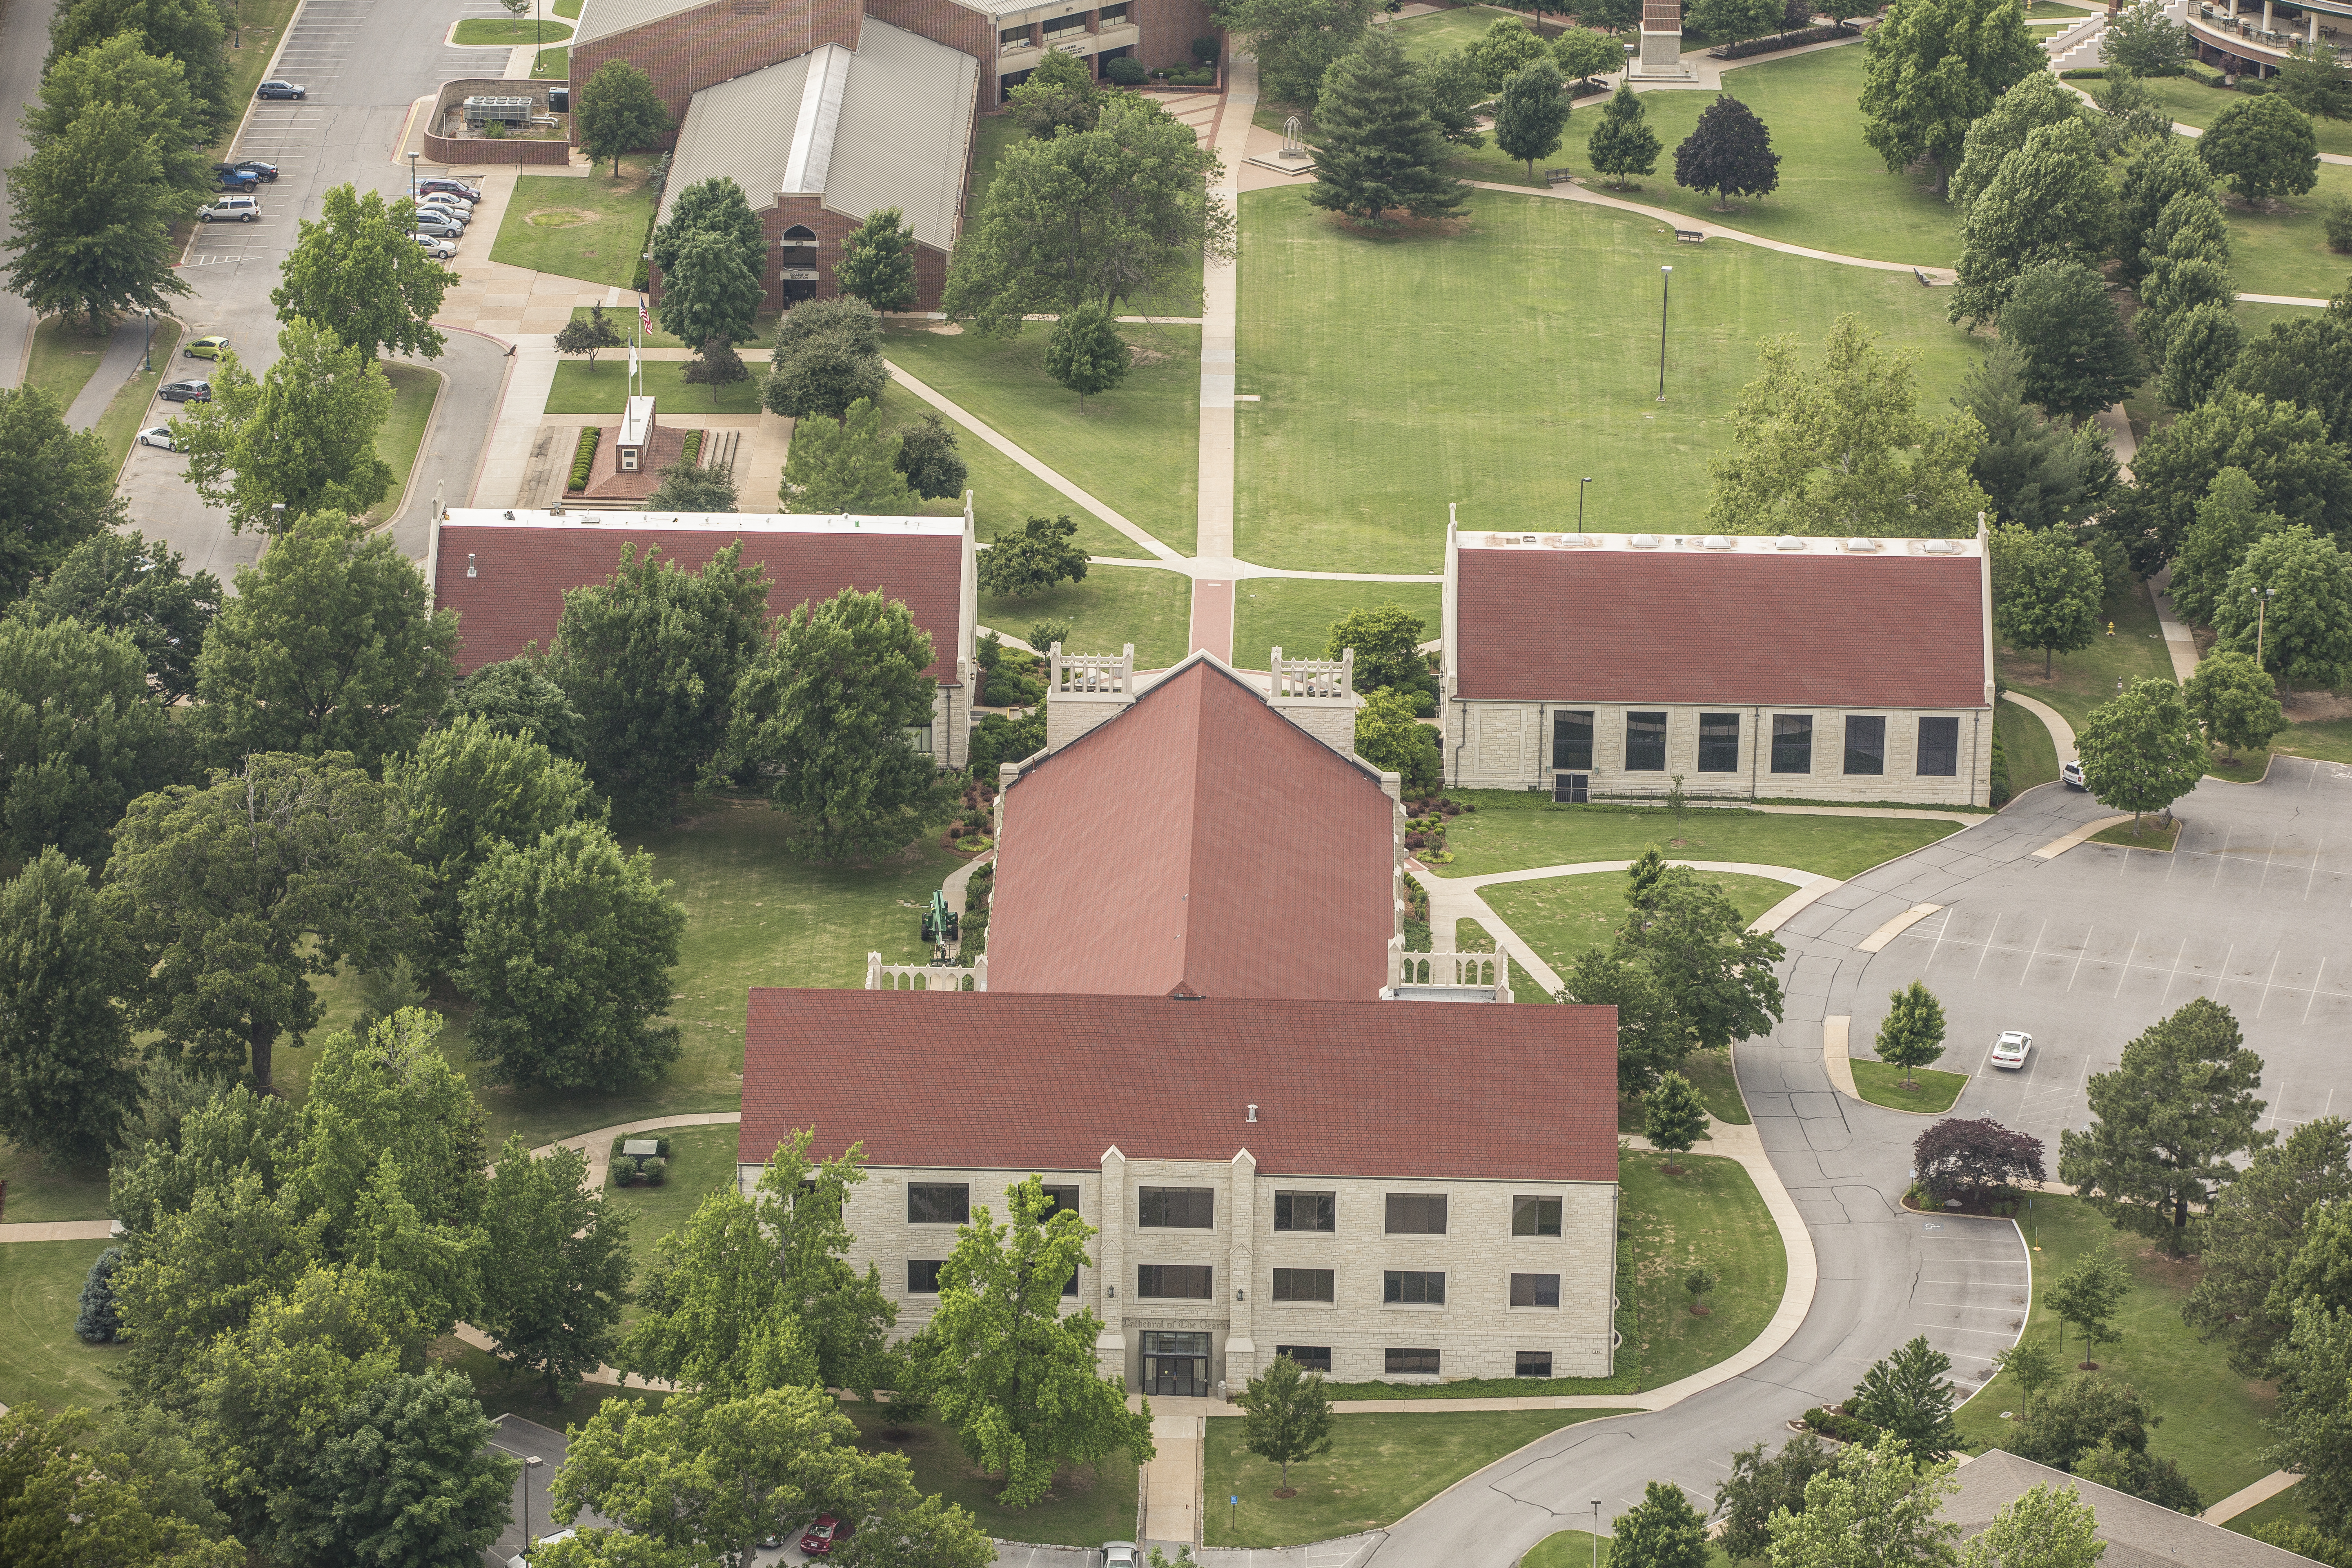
<point x="2151" y="836"/>
<point x="1424" y="38"/>
<point x="1561" y="917"/>
<point x="65" y="356"/>
<point x="601" y="388"/>
<point x="2285" y="250"/>
<point x="552" y="64"/>
<point x="2081" y="681"/>
<point x="41" y="1191"/>
<point x="1512" y="832"/>
<point x="994" y="134"/>
<point x="1114" y="605"/>
<point x="625" y="316"/>
<point x="1380" y="1469"/>
<point x="41" y="1362"/>
<point x="2212" y="1417"/>
<point x="2026" y="746"/>
<point x="127" y="414"/>
<point x="475" y="32"/>
<point x="1085" y="1508"/>
<point x="1710" y="1073"/>
<point x="2288" y="1505"/>
<point x="1005" y="495"/>
<point x="1575" y="1549"/>
<point x="2191" y="102"/>
<point x="1135" y="447"/>
<point x="414" y="389"/>
<point x="589" y="228"/>
<point x="2329" y="739"/>
<point x="1883" y="1085"/>
<point x="1710" y="1214"/>
<point x="1295" y="614"/>
<point x="1495" y="365"/>
<point x="701" y="1161"/>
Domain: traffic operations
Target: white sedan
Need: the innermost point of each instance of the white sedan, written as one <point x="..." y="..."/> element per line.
<point x="438" y="250"/>
<point x="2008" y="1051"/>
<point x="157" y="435"/>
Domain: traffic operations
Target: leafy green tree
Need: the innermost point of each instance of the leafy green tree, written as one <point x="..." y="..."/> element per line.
<point x="1622" y="143"/>
<point x="2074" y="357"/>
<point x="2306" y="360"/>
<point x="66" y="1082"/>
<point x="200" y="1274"/>
<point x="2298" y="472"/>
<point x="1876" y="1507"/>
<point x="2315" y="83"/>
<point x="928" y="456"/>
<point x="1013" y="1377"/>
<point x="2141" y="40"/>
<point x="2051" y="201"/>
<point x="2139" y="750"/>
<point x="358" y="273"/>
<point x="404" y="1473"/>
<point x="2167" y="1122"/>
<point x="1673" y="1115"/>
<point x="1759" y="1489"/>
<point x="2048" y="591"/>
<point x="2250" y="1236"/>
<point x="236" y="893"/>
<point x="196" y="1142"/>
<point x="1610" y="15"/>
<point x="2174" y="288"/>
<point x="650" y="661"/>
<point x="589" y="335"/>
<point x="517" y="696"/>
<point x="1377" y="147"/>
<point x="1044" y="554"/>
<point x="1297" y="42"/>
<point x="822" y="373"/>
<point x="1582" y="54"/>
<point x="2311" y="1431"/>
<point x="158" y="1453"/>
<point x="824" y="713"/>
<point x="1653" y="1036"/>
<point x="1841" y="447"/>
<point x="569" y="946"/>
<point x="125" y="583"/>
<point x="1912" y="1034"/>
<point x="2043" y="1529"/>
<point x="1933" y="67"/>
<point x="2200" y="345"/>
<point x="1120" y="211"/>
<point x="852" y="466"/>
<point x="189" y="31"/>
<point x="2154" y="173"/>
<point x="1661" y="1531"/>
<point x="2320" y="1273"/>
<point x="93" y="207"/>
<point x="690" y="488"/>
<point x="2191" y="227"/>
<point x="1085" y="352"/>
<point x="329" y="646"/>
<point x="1728" y="152"/>
<point x="119" y="71"/>
<point x="1719" y="971"/>
<point x="2291" y="597"/>
<point x="716" y="365"/>
<point x="1454" y="92"/>
<point x="1737" y="21"/>
<point x="2264" y="147"/>
<point x="2038" y="474"/>
<point x="1288" y="1417"/>
<point x="2032" y="1364"/>
<point x="708" y="291"/>
<point x="616" y="111"/>
<point x="1391" y="738"/>
<point x="2228" y="521"/>
<point x="1909" y="1396"/>
<point x="1386" y="638"/>
<point x="932" y="1533"/>
<point x="594" y="1548"/>
<point x="715" y="205"/>
<point x="1533" y="114"/>
<point x="1506" y="48"/>
<point x="878" y="258"/>
<point x="2140" y="1474"/>
<point x="79" y="737"/>
<point x="56" y="489"/>
<point x="301" y="437"/>
<point x="1060" y="92"/>
<point x="66" y="1502"/>
<point x="2235" y="700"/>
<point x="2031" y="103"/>
<point x="553" y="1301"/>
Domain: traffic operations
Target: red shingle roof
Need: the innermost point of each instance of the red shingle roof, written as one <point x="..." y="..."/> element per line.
<point x="1613" y="626"/>
<point x="521" y="570"/>
<point x="990" y="1081"/>
<point x="1199" y="841"/>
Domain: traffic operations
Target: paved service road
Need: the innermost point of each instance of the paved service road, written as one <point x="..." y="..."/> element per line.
<point x="23" y="45"/>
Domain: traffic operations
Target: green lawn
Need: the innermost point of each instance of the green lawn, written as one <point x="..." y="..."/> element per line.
<point x="995" y="133"/>
<point x="414" y="389"/>
<point x="1711" y="1074"/>
<point x="1114" y="605"/>
<point x="567" y="8"/>
<point x="1087" y="1506"/>
<point x="1380" y="1469"/>
<point x="1295" y="614"/>
<point x="2191" y="102"/>
<point x="1709" y="1214"/>
<point x="601" y="388"/>
<point x="1562" y="916"/>
<point x="701" y="1161"/>
<point x="65" y="356"/>
<point x="2329" y="739"/>
<point x="625" y="316"/>
<point x="1575" y="1549"/>
<point x="40" y="1192"/>
<point x="2026" y="746"/>
<point x="1136" y="447"/>
<point x="2286" y="251"/>
<point x="1513" y="831"/>
<point x="41" y="1362"/>
<point x="551" y="65"/>
<point x="2150" y="837"/>
<point x="1404" y="370"/>
<point x="1424" y="38"/>
<point x="128" y="413"/>
<point x="1883" y="1085"/>
<point x="2081" y="681"/>
<point x="589" y="229"/>
<point x="1005" y="495"/>
<point x="2288" y="1505"/>
<point x="508" y="33"/>
<point x="2211" y="1417"/>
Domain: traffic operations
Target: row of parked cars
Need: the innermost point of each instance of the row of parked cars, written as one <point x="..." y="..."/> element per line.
<point x="444" y="209"/>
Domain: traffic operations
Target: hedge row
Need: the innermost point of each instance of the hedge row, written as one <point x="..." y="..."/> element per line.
<point x="1795" y="40"/>
<point x="1838" y="1426"/>
<point x="692" y="450"/>
<point x="583" y="456"/>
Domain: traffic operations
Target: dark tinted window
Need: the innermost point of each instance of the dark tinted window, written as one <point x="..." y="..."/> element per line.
<point x="1178" y="1208"/>
<point x="938" y="1203"/>
<point x="1416" y="1213"/>
<point x="1645" y="743"/>
<point x="1302" y="1284"/>
<point x="1792" y="743"/>
<point x="1182" y="1281"/>
<point x="1414" y="1286"/>
<point x="1534" y="1290"/>
<point x="1304" y="1211"/>
<point x="1071" y="1288"/>
<point x="1534" y="1363"/>
<point x="1310" y="1358"/>
<point x="1865" y="746"/>
<point x="922" y="1276"/>
<point x="1718" y="743"/>
<point x="1535" y="1217"/>
<point x="1411" y="1360"/>
<point x="1064" y="1198"/>
<point x="1939" y="748"/>
<point x="1571" y="741"/>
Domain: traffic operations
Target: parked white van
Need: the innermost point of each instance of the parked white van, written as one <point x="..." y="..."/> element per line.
<point x="238" y="209"/>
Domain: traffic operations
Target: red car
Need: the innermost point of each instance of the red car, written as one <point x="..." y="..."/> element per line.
<point x="818" y="1539"/>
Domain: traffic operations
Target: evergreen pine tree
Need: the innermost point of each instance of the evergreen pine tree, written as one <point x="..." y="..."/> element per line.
<point x="852" y="466"/>
<point x="1533" y="115"/>
<point x="1622" y="143"/>
<point x="1728" y="152"/>
<point x="1086" y="353"/>
<point x="1379" y="148"/>
<point x="2038" y="473"/>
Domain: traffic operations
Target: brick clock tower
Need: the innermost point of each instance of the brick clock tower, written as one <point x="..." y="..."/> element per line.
<point x="1660" y="58"/>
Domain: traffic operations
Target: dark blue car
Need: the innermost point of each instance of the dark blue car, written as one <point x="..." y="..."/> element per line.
<point x="232" y="178"/>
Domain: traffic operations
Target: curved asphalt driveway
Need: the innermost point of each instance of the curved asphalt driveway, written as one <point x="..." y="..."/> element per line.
<point x="2084" y="951"/>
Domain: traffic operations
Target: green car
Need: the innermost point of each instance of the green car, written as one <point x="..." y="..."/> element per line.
<point x="205" y="348"/>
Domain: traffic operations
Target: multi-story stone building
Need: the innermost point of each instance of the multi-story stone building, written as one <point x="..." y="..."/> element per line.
<point x="1593" y="665"/>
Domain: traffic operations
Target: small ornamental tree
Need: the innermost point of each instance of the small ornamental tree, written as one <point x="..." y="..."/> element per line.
<point x="718" y="366"/>
<point x="589" y="334"/>
<point x="1909" y="1396"/>
<point x="1913" y="1032"/>
<point x="1288" y="1416"/>
<point x="1662" y="1532"/>
<point x="1085" y="352"/>
<point x="1533" y="114"/>
<point x="928" y="456"/>
<point x="1386" y="638"/>
<point x="1729" y="152"/>
<point x="1583" y="54"/>
<point x="1672" y="1117"/>
<point x="1961" y="1159"/>
<point x="2236" y="701"/>
<point x="2264" y="147"/>
<point x="878" y="261"/>
<point x="2315" y="83"/>
<point x="2087" y="1295"/>
<point x="1042" y="555"/>
<point x="1506" y="48"/>
<point x="1622" y="143"/>
<point x="2139" y="751"/>
<point x="618" y="110"/>
<point x="2049" y="591"/>
<point x="2141" y="41"/>
<point x="98" y="1322"/>
<point x="2032" y="1365"/>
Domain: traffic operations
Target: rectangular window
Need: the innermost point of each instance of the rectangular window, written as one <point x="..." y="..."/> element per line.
<point x="1865" y="746"/>
<point x="1939" y="748"/>
<point x="1062" y="26"/>
<point x="1306" y="1211"/>
<point x="1112" y="16"/>
<point x="1414" y="1288"/>
<point x="1066" y="1201"/>
<point x="1535" y="1217"/>
<point x="1645" y="743"/>
<point x="1310" y="1358"/>
<point x="1534" y="1290"/>
<point x="1571" y="742"/>
<point x="1173" y="1282"/>
<point x="919" y="736"/>
<point x="1792" y="743"/>
<point x="1071" y="1288"/>
<point x="629" y="459"/>
<point x="1416" y="1213"/>
<point x="938" y="1203"/>
<point x="1012" y="35"/>
<point x="922" y="1276"/>
<point x="1398" y="1361"/>
<point x="1718" y="743"/>
<point x="1302" y="1284"/>
<point x="1177" y="1208"/>
<point x="1533" y="1363"/>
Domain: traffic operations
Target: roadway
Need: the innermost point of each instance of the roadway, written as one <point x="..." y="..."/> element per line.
<point x="23" y="45"/>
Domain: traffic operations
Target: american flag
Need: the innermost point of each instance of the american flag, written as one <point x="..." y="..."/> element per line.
<point x="644" y="316"/>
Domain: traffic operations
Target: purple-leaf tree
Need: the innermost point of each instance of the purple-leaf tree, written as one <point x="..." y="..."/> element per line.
<point x="1958" y="1158"/>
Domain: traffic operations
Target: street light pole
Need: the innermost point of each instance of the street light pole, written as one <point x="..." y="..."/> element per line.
<point x="2262" y="612"/>
<point x="1579" y="502"/>
<point x="412" y="179"/>
<point x="1665" y="288"/>
<point x="530" y="1463"/>
<point x="1596" y="1532"/>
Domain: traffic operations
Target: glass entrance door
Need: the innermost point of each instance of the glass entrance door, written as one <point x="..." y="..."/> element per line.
<point x="1175" y="1363"/>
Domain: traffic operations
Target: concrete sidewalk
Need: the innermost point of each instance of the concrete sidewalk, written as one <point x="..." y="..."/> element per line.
<point x="126" y="350"/>
<point x="1212" y="599"/>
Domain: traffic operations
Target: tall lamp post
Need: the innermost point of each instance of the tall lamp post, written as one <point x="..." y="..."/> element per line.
<point x="530" y="1463"/>
<point x="1596" y="1532"/>
<point x="1666" y="289"/>
<point x="2261" y="613"/>
<point x="1579" y="502"/>
<point x="412" y="179"/>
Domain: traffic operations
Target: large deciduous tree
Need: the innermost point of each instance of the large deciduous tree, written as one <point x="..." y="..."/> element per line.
<point x="1965" y="1159"/>
<point x="1044" y="553"/>
<point x="1697" y="943"/>
<point x="2315" y="80"/>
<point x="2074" y="357"/>
<point x="618" y="110"/>
<point x="1297" y="42"/>
<point x="2236" y="701"/>
<point x="1533" y="114"/>
<point x="1760" y="1488"/>
<point x="2034" y="101"/>
<point x="551" y="1303"/>
<point x="2140" y="41"/>
<point x="2251" y="1235"/>
<point x="2047" y="592"/>
<point x="2051" y="201"/>
<point x="517" y="696"/>
<point x="2305" y="359"/>
<point x="57" y="487"/>
<point x="877" y="257"/>
<point x="1934" y="68"/>
<point x="2228" y="521"/>
<point x="2155" y="172"/>
<point x="1387" y="640"/>
<point x="852" y="466"/>
<point x="1876" y="1506"/>
<point x="93" y="208"/>
<point x="1729" y="153"/>
<point x="928" y="456"/>
<point x="2140" y="753"/>
<point x="191" y="32"/>
<point x="1377" y="148"/>
<point x="2313" y="1428"/>
<point x="2291" y="598"/>
<point x="2298" y="472"/>
<point x="79" y="737"/>
<point x="359" y="273"/>
<point x="828" y="354"/>
<point x="127" y="582"/>
<point x="1653" y="1036"/>
<point x="404" y="1473"/>
<point x="708" y="290"/>
<point x="1060" y="90"/>
<point x="298" y="439"/>
<point x="2263" y="147"/>
<point x="66" y="1082"/>
<point x="72" y="1499"/>
<point x="1663" y="1530"/>
<point x="1391" y="738"/>
<point x="1506" y="48"/>
<point x="717" y="206"/>
<point x="2043" y="1529"/>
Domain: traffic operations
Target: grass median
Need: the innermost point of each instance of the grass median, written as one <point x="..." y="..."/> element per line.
<point x="602" y="388"/>
<point x="127" y="411"/>
<point x="1931" y="1092"/>
<point x="66" y="354"/>
<point x="1577" y="1549"/>
<point x="414" y="390"/>
<point x="2026" y="746"/>
<point x="508" y="33"/>
<point x="1295" y="614"/>
<point x="1515" y="831"/>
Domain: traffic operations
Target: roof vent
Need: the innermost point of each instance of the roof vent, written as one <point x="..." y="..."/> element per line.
<point x="1788" y="541"/>
<point x="1567" y="540"/>
<point x="509" y="517"/>
<point x="1717" y="541"/>
<point x="1942" y="547"/>
<point x="1527" y="538"/>
<point x="1644" y="541"/>
<point x="1863" y="546"/>
<point x="470" y="566"/>
<point x="1253" y="1114"/>
<point x="590" y="517"/>
<point x="1499" y="540"/>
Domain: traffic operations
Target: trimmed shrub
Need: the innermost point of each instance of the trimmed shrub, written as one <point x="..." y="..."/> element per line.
<point x="1837" y="1425"/>
<point x="1796" y="40"/>
<point x="1206" y="49"/>
<point x="2338" y="217"/>
<point x="2210" y="74"/>
<point x="1126" y="71"/>
<point x="693" y="448"/>
<point x="98" y="1323"/>
<point x="584" y="456"/>
<point x="2252" y="87"/>
<point x="656" y="1169"/>
<point x="2088" y="73"/>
